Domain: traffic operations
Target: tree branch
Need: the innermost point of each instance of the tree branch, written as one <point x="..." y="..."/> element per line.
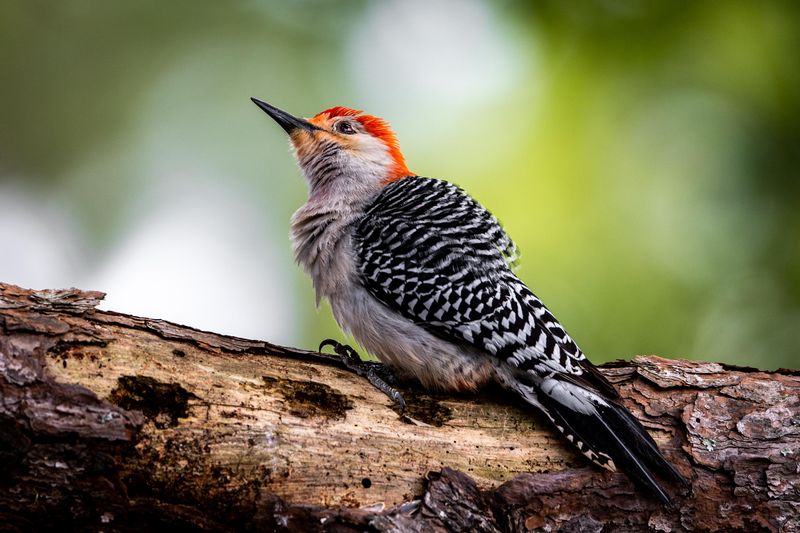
<point x="125" y="423"/>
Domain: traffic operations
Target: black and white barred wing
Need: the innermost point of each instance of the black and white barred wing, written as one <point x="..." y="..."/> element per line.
<point x="433" y="254"/>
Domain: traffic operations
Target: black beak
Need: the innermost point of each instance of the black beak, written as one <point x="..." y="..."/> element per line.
<point x="286" y="121"/>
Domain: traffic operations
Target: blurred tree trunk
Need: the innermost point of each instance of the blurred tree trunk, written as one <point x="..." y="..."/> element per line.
<point x="114" y="422"/>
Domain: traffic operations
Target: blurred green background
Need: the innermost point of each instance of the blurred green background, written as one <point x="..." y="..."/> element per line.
<point x="643" y="154"/>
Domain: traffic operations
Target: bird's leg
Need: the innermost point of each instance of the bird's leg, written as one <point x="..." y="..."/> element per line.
<point x="378" y="374"/>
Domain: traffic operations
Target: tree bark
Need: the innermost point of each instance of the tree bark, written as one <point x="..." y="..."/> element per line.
<point x="121" y="423"/>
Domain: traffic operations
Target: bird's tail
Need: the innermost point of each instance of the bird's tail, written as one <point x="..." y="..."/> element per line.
<point x="602" y="429"/>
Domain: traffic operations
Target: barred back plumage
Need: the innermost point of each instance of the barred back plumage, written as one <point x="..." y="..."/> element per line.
<point x="435" y="255"/>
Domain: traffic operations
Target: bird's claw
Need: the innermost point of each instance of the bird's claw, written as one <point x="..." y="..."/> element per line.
<point x="367" y="369"/>
<point x="349" y="356"/>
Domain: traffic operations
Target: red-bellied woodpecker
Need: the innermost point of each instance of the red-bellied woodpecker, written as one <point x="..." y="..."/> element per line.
<point x="421" y="275"/>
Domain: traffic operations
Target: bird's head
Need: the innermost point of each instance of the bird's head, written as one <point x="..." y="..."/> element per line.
<point x="342" y="149"/>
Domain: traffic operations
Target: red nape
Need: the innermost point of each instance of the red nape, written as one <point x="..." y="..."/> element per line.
<point x="380" y="129"/>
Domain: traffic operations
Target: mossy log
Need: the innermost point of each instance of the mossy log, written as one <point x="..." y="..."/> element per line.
<point x="119" y="423"/>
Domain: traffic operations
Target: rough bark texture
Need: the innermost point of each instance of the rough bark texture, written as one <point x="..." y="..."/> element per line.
<point x="114" y="422"/>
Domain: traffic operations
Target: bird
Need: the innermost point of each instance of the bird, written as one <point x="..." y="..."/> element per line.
<point x="423" y="278"/>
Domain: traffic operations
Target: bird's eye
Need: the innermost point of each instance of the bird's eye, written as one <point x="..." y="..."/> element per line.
<point x="345" y="127"/>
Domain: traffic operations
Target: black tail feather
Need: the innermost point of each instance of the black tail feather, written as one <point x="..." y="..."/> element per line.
<point x="646" y="447"/>
<point x="611" y="434"/>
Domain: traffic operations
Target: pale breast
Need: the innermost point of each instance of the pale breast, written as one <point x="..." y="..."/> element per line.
<point x="320" y="238"/>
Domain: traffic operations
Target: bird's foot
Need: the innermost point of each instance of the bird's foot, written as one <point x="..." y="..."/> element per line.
<point x="378" y="374"/>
